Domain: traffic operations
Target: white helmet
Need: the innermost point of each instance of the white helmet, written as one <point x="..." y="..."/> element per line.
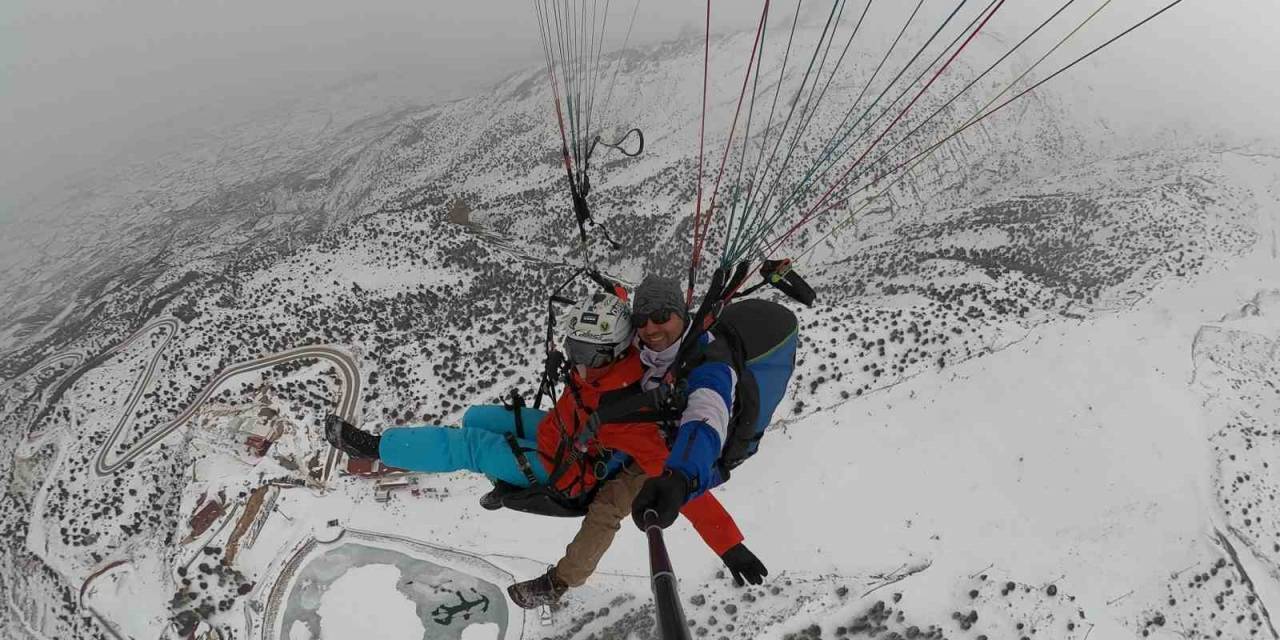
<point x="598" y="330"/>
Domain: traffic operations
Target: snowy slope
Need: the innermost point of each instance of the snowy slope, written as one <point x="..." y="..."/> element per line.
<point x="1030" y="377"/>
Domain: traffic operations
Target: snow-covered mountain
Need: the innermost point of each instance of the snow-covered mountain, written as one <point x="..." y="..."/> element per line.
<point x="1036" y="397"/>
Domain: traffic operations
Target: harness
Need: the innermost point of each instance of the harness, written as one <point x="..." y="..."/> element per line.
<point x="549" y="499"/>
<point x="662" y="405"/>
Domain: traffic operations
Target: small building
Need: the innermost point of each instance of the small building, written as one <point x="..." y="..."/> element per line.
<point x="259" y="432"/>
<point x="396" y="482"/>
<point x="365" y="467"/>
<point x="258" y="446"/>
<point x="207" y="512"/>
<point x="265" y="429"/>
<point x="383" y="487"/>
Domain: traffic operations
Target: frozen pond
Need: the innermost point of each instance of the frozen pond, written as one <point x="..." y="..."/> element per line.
<point x="389" y="595"/>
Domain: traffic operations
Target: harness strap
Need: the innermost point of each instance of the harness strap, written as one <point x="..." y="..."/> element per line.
<point x="516" y="406"/>
<point x="655" y="405"/>
<point x="521" y="460"/>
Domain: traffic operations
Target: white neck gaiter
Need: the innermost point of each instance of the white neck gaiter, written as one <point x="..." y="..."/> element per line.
<point x="656" y="363"/>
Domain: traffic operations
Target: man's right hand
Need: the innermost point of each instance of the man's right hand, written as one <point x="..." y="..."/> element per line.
<point x="664" y="495"/>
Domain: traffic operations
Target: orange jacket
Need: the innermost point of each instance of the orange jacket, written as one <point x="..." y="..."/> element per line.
<point x="641" y="440"/>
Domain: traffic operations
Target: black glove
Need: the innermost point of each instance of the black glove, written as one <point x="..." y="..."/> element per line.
<point x="744" y="565"/>
<point x="664" y="494"/>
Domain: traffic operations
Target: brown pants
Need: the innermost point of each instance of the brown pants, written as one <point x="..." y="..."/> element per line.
<point x="611" y="505"/>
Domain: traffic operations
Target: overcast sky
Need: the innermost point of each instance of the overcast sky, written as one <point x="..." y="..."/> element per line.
<point x="80" y="78"/>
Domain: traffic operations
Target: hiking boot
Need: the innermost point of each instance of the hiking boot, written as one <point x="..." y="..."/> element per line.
<point x="346" y="438"/>
<point x="545" y="589"/>
<point x="493" y="500"/>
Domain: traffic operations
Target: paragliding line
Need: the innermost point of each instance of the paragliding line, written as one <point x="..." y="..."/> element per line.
<point x="748" y="216"/>
<point x="830" y="157"/>
<point x="697" y="215"/>
<point x="761" y="222"/>
<point x="911" y="162"/>
<point x="979" y="78"/>
<point x="697" y="247"/>
<point x="821" y="201"/>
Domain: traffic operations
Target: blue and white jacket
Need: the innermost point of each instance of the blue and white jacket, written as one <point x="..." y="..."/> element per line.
<point x="704" y="425"/>
<point x="760" y="338"/>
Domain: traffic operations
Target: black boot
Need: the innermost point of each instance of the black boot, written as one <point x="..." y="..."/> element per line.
<point x="493" y="500"/>
<point x="346" y="438"/>
<point x="545" y="589"/>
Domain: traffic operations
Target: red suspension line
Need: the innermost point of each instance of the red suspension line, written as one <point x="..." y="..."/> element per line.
<point x="701" y="241"/>
<point x="694" y="257"/>
<point x="555" y="92"/>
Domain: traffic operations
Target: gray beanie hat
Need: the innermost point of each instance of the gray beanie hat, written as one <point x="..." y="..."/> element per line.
<point x="657" y="293"/>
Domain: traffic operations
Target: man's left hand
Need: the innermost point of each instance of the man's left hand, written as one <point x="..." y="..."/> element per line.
<point x="744" y="565"/>
<point x="663" y="495"/>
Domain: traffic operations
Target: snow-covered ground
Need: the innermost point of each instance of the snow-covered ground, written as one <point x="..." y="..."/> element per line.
<point x="1037" y="399"/>
<point x="1069" y="480"/>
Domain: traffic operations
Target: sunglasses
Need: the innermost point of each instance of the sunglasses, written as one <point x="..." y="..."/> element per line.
<point x="588" y="354"/>
<point x="659" y="316"/>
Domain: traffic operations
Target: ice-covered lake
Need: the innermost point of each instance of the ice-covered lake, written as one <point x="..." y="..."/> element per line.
<point x="382" y="593"/>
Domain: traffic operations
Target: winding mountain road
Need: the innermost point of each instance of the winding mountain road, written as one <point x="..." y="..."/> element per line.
<point x="346" y="406"/>
<point x="106" y="464"/>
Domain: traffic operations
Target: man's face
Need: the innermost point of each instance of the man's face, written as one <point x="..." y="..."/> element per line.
<point x="657" y="336"/>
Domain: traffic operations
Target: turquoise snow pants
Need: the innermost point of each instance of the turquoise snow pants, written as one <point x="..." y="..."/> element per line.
<point x="480" y="445"/>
